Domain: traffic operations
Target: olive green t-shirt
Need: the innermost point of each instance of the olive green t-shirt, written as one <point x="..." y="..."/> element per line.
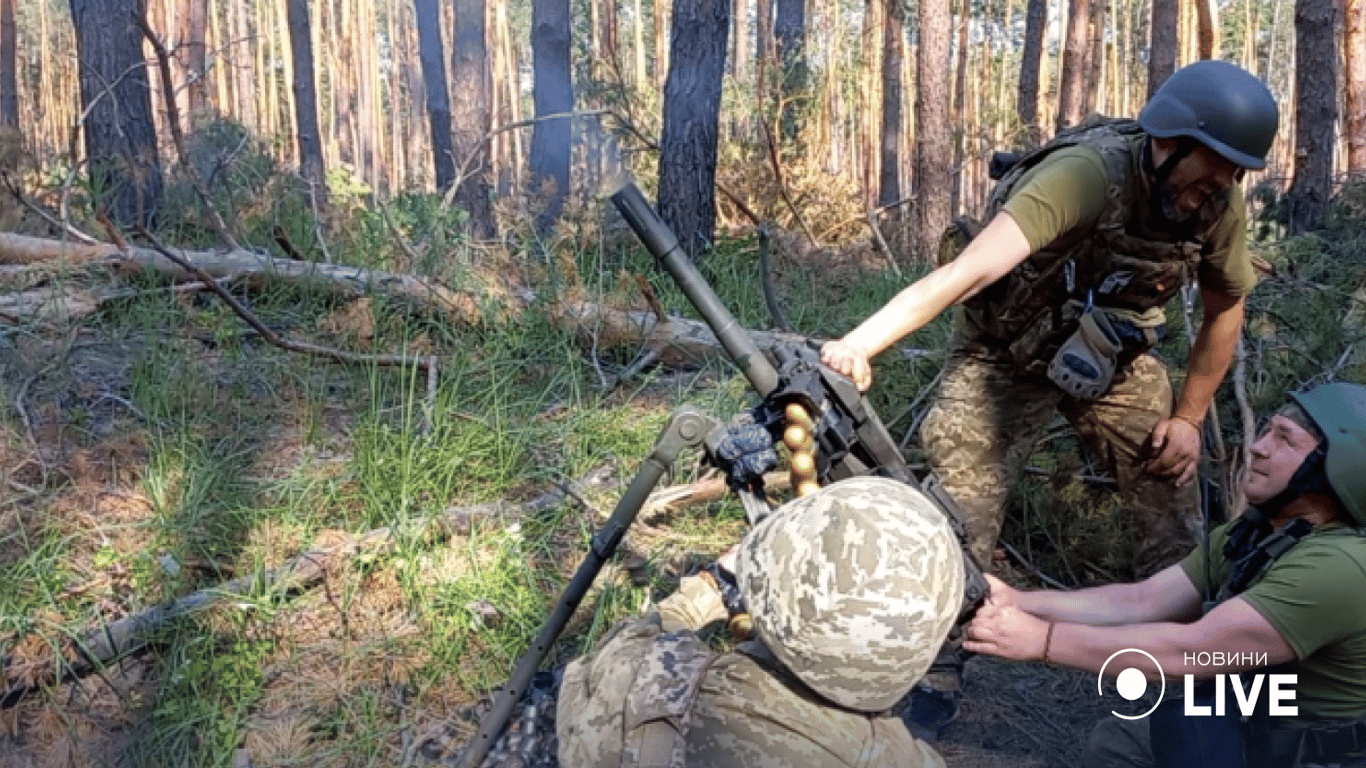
<point x="1067" y="191"/>
<point x="1315" y="597"/>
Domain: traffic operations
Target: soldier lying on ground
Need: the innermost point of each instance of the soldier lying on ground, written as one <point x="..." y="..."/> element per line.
<point x="851" y="590"/>
<point x="1285" y="582"/>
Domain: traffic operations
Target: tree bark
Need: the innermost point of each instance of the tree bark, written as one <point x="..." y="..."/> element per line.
<point x="553" y="93"/>
<point x="306" y="102"/>
<point x="1072" y="83"/>
<point x="1207" y="29"/>
<point x="692" y="107"/>
<point x="433" y="56"/>
<point x="789" y="32"/>
<point x="472" y="118"/>
<point x="1354" y="45"/>
<point x="1315" y="113"/>
<point x="763" y="50"/>
<point x="120" y="136"/>
<point x="1092" y="95"/>
<point x="1166" y="15"/>
<point x="1031" y="59"/>
<point x="893" y="56"/>
<point x="932" y="120"/>
<point x="194" y="27"/>
<point x="9" y="52"/>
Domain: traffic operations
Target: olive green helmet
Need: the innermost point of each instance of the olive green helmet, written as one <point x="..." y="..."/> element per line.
<point x="854" y="588"/>
<point x="1219" y="105"/>
<point x="1339" y="410"/>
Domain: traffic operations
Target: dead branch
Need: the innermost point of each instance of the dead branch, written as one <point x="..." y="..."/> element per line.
<point x="178" y="135"/>
<point x="881" y="241"/>
<point x="403" y="361"/>
<point x="782" y="185"/>
<point x="1237" y="470"/>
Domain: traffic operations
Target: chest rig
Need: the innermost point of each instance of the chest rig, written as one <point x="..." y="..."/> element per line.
<point x="1126" y="264"/>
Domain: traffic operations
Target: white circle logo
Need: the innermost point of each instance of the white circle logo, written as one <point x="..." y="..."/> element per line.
<point x="1131" y="684"/>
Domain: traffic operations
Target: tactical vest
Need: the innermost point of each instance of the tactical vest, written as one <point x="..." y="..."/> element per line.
<point x="1036" y="305"/>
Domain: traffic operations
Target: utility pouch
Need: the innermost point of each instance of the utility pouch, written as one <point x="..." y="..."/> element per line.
<point x="955" y="238"/>
<point x="1085" y="364"/>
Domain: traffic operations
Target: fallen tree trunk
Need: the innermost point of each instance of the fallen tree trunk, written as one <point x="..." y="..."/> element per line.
<point x="678" y="341"/>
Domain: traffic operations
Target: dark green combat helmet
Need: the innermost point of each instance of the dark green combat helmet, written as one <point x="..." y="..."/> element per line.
<point x="1219" y="105"/>
<point x="1339" y="410"/>
<point x="854" y="588"/>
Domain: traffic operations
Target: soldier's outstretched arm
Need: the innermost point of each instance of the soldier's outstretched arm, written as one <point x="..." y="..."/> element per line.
<point x="993" y="253"/>
<point x="1177" y="439"/>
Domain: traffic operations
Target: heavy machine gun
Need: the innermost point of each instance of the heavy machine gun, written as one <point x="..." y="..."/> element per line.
<point x="828" y="426"/>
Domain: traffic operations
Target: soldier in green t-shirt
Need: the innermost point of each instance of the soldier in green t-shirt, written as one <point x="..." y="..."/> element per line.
<point x="1061" y="296"/>
<point x="1283" y="584"/>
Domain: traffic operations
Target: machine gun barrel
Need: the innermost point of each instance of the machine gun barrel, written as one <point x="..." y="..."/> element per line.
<point x="664" y="246"/>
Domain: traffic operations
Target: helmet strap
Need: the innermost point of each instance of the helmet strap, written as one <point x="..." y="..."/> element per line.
<point x="1184" y="146"/>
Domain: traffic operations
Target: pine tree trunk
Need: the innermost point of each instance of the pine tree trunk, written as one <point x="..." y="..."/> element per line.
<point x="1092" y="94"/>
<point x="432" y="53"/>
<point x="1208" y="19"/>
<point x="763" y="50"/>
<point x="471" y="118"/>
<point x="1071" y="98"/>
<point x="662" y="27"/>
<point x="932" y="120"/>
<point x="789" y="33"/>
<point x="893" y="55"/>
<point x="1315" y="113"/>
<point x="692" y="106"/>
<point x="1165" y="18"/>
<point x="192" y="31"/>
<point x="1031" y="59"/>
<point x="553" y="93"/>
<point x="9" y="59"/>
<point x="306" y="102"/>
<point x="120" y="136"/>
<point x="958" y="101"/>
<point x="1354" y="45"/>
<point x="739" y="64"/>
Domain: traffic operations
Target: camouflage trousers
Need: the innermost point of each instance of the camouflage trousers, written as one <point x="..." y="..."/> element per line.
<point x="988" y="417"/>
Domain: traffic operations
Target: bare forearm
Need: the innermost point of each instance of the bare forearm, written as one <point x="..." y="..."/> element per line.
<point x="1210" y="356"/>
<point x="1102" y="606"/>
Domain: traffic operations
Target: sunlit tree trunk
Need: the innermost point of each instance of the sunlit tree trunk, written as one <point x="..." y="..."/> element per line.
<point x="1354" y="45"/>
<point x="552" y="93"/>
<point x="1165" y="17"/>
<point x="932" y="120"/>
<point x="1031" y="58"/>
<point x="193" y="28"/>
<point x="1315" y="113"/>
<point x="1207" y="17"/>
<point x="432" y="53"/>
<point x="958" y="109"/>
<point x="692" y="105"/>
<point x="869" y="73"/>
<point x="9" y="57"/>
<point x="120" y="136"/>
<point x="739" y="64"/>
<point x="471" y="119"/>
<point x="764" y="49"/>
<point x="1093" y="93"/>
<point x="662" y="27"/>
<point x="1071" y="99"/>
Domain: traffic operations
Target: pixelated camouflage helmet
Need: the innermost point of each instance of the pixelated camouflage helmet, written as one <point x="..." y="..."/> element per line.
<point x="1218" y="104"/>
<point x="1339" y="410"/>
<point x="854" y="588"/>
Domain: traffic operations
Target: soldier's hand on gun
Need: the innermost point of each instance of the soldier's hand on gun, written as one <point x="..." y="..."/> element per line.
<point x="1006" y="631"/>
<point x="1000" y="592"/>
<point x="1177" y="445"/>
<point x="850" y="360"/>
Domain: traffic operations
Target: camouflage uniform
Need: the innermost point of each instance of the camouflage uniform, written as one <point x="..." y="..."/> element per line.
<point x="852" y="590"/>
<point x="994" y="401"/>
